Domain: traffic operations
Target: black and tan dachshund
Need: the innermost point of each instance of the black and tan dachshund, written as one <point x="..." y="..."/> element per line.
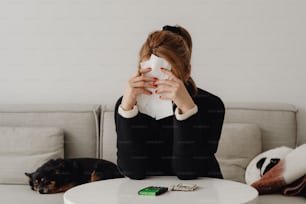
<point x="59" y="175"/>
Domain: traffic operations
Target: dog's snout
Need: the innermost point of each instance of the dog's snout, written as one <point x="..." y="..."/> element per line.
<point x="41" y="191"/>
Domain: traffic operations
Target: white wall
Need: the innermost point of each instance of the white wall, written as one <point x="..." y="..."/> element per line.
<point x="84" y="51"/>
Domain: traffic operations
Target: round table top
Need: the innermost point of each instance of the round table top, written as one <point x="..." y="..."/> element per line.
<point x="125" y="191"/>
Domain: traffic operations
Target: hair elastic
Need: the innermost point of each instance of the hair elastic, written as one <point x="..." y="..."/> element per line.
<point x="172" y="29"/>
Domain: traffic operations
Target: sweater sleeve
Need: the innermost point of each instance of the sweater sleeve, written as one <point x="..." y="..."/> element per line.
<point x="216" y="118"/>
<point x="131" y="151"/>
<point x="196" y="139"/>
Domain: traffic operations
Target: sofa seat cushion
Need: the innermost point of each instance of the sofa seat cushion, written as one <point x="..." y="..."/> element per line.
<point x="238" y="145"/>
<point x="24" y="195"/>
<point x="280" y="199"/>
<point x="24" y="149"/>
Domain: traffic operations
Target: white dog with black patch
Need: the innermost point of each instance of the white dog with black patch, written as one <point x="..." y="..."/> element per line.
<point x="279" y="170"/>
<point x="263" y="162"/>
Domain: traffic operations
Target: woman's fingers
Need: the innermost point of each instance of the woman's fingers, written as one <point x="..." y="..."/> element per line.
<point x="141" y="72"/>
<point x="143" y="84"/>
<point x="143" y="91"/>
<point x="173" y="81"/>
<point x="169" y="73"/>
<point x="165" y="92"/>
<point x="144" y="70"/>
<point x="144" y="78"/>
<point x="142" y="81"/>
<point x="166" y="96"/>
<point x="137" y="85"/>
<point x="164" y="89"/>
<point x="167" y="87"/>
<point x="166" y="82"/>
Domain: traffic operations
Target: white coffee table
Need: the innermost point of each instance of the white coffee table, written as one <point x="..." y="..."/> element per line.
<point x="124" y="191"/>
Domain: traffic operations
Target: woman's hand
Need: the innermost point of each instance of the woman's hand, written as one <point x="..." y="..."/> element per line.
<point x="137" y="85"/>
<point x="175" y="90"/>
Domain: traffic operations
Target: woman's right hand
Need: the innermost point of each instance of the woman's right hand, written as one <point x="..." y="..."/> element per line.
<point x="137" y="85"/>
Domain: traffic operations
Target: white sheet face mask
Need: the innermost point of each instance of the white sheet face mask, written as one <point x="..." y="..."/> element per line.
<point x="152" y="105"/>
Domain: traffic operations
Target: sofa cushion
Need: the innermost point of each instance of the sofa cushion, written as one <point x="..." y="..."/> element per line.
<point x="22" y="194"/>
<point x="280" y="199"/>
<point x="78" y="121"/>
<point x="24" y="149"/>
<point x="277" y="121"/>
<point x="238" y="145"/>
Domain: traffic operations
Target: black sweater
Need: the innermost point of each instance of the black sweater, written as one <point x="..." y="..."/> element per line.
<point x="186" y="148"/>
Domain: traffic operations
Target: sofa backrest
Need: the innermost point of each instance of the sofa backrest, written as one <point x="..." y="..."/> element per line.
<point x="277" y="123"/>
<point x="108" y="136"/>
<point x="249" y="129"/>
<point x="80" y="124"/>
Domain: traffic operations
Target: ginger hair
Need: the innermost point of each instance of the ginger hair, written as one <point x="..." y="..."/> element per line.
<point x="176" y="49"/>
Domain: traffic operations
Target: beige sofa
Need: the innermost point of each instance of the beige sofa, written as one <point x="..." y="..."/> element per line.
<point x="89" y="131"/>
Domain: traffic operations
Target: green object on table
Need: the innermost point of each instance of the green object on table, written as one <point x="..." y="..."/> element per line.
<point x="152" y="190"/>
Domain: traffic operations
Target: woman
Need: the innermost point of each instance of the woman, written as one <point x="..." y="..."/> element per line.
<point x="183" y="144"/>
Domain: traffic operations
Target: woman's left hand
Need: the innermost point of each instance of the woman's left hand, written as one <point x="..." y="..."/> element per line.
<point x="174" y="89"/>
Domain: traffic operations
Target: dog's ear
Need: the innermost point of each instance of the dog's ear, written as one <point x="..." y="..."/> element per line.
<point x="261" y="162"/>
<point x="28" y="174"/>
